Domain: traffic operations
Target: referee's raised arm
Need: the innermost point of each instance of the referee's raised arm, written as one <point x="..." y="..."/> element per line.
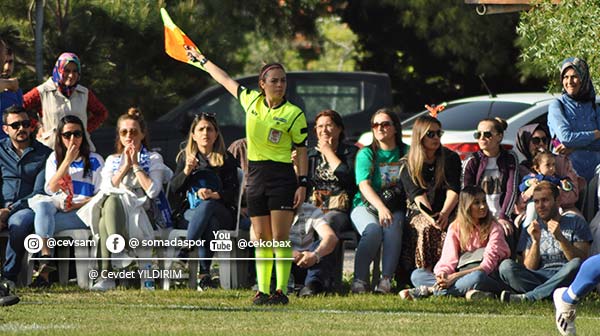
<point x="215" y="72"/>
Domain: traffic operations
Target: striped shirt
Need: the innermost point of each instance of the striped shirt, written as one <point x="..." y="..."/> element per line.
<point x="83" y="187"/>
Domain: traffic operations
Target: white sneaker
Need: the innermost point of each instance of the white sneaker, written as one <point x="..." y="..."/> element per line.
<point x="565" y="313"/>
<point x="103" y="285"/>
<point x="384" y="286"/>
<point x="415" y="293"/>
<point x="478" y="295"/>
<point x="359" y="286"/>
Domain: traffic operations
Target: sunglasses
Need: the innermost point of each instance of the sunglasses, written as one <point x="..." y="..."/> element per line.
<point x="132" y="131"/>
<point x="384" y="124"/>
<point x="17" y="124"/>
<point x="76" y="134"/>
<point x="487" y="134"/>
<point x="209" y="115"/>
<point x="432" y="134"/>
<point x="538" y="140"/>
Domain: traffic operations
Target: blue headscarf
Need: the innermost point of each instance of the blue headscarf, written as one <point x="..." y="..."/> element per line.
<point x="586" y="91"/>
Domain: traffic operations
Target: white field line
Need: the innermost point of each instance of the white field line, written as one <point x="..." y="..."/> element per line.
<point x="351" y="312"/>
<point x="20" y="327"/>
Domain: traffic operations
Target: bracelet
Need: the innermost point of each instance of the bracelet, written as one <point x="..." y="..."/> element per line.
<point x="137" y="169"/>
<point x="318" y="257"/>
<point x="203" y="61"/>
<point x="303" y="181"/>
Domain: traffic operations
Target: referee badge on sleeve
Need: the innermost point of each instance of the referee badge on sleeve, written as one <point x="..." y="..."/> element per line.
<point x="275" y="135"/>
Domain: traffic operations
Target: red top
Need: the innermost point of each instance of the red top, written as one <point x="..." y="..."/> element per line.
<point x="97" y="113"/>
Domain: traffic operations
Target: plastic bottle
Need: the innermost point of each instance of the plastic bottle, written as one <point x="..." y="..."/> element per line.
<point x="148" y="279"/>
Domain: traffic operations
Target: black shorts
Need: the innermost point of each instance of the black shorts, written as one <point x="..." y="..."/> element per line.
<point x="271" y="186"/>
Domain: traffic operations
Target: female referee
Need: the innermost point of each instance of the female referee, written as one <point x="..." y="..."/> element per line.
<point x="273" y="127"/>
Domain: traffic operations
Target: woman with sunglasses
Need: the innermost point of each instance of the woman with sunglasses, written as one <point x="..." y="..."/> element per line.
<point x="273" y="127"/>
<point x="377" y="169"/>
<point x="495" y="170"/>
<point x="331" y="171"/>
<point x="533" y="139"/>
<point x="432" y="183"/>
<point x="72" y="178"/>
<point x="574" y="118"/>
<point x="132" y="184"/>
<point x="62" y="95"/>
<point x="206" y="176"/>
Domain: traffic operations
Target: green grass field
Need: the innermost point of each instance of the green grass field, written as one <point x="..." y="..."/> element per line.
<point x="71" y="311"/>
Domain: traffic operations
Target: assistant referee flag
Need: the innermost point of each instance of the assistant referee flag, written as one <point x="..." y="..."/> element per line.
<point x="176" y="41"/>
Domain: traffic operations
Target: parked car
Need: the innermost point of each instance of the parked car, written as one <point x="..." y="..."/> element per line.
<point x="355" y="95"/>
<point x="460" y="118"/>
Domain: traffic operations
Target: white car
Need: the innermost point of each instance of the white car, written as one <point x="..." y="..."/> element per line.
<point x="460" y="118"/>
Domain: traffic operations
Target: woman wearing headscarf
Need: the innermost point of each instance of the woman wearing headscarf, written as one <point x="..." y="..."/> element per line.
<point x="62" y="95"/>
<point x="574" y="119"/>
<point x="533" y="139"/>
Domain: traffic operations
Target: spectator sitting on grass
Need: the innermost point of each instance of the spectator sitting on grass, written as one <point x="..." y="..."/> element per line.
<point x="473" y="248"/>
<point x="313" y="259"/>
<point x="553" y="247"/>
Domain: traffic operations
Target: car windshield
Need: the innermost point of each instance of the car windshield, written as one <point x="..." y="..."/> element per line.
<point x="465" y="116"/>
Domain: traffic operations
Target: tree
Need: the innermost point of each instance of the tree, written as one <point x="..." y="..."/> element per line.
<point x="550" y="33"/>
<point x="435" y="50"/>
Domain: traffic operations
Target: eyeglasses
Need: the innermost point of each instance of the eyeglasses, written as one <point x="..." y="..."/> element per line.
<point x="432" y="134"/>
<point x="487" y="134"/>
<point x="384" y="124"/>
<point x="538" y="140"/>
<point x="68" y="134"/>
<point x="17" y="124"/>
<point x="133" y="131"/>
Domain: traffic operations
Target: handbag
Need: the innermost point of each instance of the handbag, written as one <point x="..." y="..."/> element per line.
<point x="471" y="259"/>
<point x="203" y="179"/>
<point x="327" y="200"/>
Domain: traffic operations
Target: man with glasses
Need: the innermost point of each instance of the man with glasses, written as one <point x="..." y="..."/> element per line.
<point x="22" y="164"/>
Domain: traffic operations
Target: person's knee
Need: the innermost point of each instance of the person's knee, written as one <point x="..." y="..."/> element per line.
<point x="574" y="264"/>
<point x="416" y="277"/>
<point x="373" y="232"/>
<point x="44" y="209"/>
<point x="506" y="268"/>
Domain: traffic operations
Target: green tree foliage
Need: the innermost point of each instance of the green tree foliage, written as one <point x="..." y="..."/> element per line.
<point x="435" y="50"/>
<point x="550" y="33"/>
<point x="121" y="46"/>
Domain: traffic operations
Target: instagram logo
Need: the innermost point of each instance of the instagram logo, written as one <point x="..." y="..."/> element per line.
<point x="33" y="243"/>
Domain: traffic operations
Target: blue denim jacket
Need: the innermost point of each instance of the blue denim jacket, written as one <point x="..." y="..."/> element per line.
<point x="21" y="177"/>
<point x="574" y="123"/>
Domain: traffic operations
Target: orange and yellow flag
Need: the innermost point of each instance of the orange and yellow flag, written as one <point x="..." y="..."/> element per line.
<point x="176" y="41"/>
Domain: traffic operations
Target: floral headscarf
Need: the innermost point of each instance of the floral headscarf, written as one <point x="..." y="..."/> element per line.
<point x="59" y="67"/>
<point x="586" y="92"/>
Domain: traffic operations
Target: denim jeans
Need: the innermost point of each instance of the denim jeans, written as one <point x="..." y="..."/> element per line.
<point x="208" y="216"/>
<point x="339" y="221"/>
<point x="49" y="220"/>
<point x="474" y="280"/>
<point x="320" y="273"/>
<point x="538" y="284"/>
<point x="20" y="225"/>
<point x="373" y="236"/>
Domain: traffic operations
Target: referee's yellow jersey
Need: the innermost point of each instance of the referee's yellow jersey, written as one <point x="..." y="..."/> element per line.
<point x="270" y="132"/>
